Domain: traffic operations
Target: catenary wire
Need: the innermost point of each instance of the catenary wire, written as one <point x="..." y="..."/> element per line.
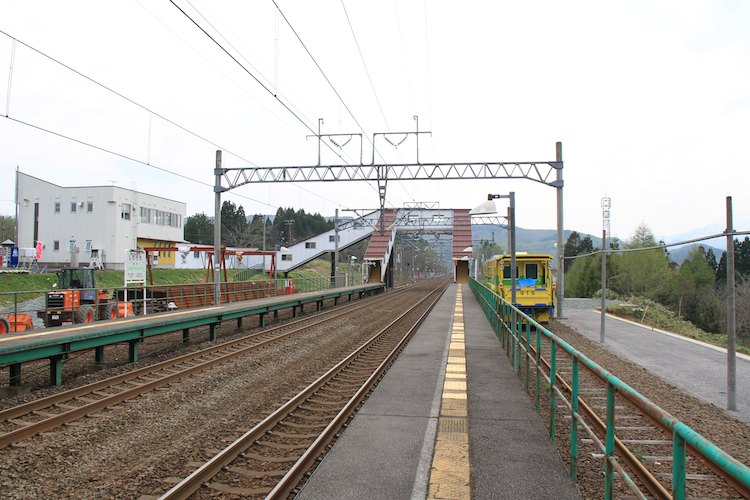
<point x="126" y="157"/>
<point x="367" y="71"/>
<point x="266" y="88"/>
<point x="122" y="96"/>
<point x="341" y="99"/>
<point x="250" y="73"/>
<point x="239" y="53"/>
<point x="145" y="108"/>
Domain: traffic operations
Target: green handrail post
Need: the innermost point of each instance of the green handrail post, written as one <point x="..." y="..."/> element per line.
<point x="679" y="460"/>
<point x="528" y="355"/>
<point x="538" y="369"/>
<point x="552" y="384"/>
<point x="609" y="446"/>
<point x="574" y="421"/>
<point x="508" y="339"/>
<point x="512" y="346"/>
<point x="517" y="346"/>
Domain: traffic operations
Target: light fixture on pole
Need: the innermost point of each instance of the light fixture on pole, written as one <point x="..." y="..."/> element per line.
<point x="488" y="207"/>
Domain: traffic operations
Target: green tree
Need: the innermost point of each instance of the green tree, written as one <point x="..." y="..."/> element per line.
<point x="199" y="228"/>
<point x="233" y="225"/>
<point x="304" y="226"/>
<point x="645" y="273"/>
<point x="741" y="261"/>
<point x="695" y="283"/>
<point x="7" y="228"/>
<point x="256" y="228"/>
<point x="583" y="279"/>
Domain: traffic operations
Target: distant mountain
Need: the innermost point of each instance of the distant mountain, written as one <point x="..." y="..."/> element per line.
<point x="680" y="254"/>
<point x="527" y="240"/>
<point x="544" y="240"/>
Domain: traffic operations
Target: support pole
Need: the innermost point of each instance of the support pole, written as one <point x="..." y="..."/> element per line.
<point x="336" y="250"/>
<point x="133" y="350"/>
<point x="14" y="374"/>
<point x="512" y="245"/>
<point x="218" y="172"/>
<point x="731" y="325"/>
<point x="604" y="286"/>
<point x="55" y="370"/>
<point x="560" y="249"/>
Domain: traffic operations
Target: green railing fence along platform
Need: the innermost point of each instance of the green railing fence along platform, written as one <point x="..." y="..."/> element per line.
<point x="524" y="342"/>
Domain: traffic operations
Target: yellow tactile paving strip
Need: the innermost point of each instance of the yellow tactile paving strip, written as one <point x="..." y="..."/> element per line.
<point x="450" y="476"/>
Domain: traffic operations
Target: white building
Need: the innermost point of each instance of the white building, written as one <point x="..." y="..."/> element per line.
<point x="75" y="222"/>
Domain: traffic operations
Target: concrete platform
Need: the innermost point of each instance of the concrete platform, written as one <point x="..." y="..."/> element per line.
<point x="387" y="450"/>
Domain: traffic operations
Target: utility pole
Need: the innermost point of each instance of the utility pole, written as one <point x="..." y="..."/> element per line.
<point x="264" y="241"/>
<point x="218" y="172"/>
<point x="731" y="317"/>
<point x="336" y="249"/>
<point x="289" y="226"/>
<point x="606" y="203"/>
<point x="560" y="249"/>
<point x="15" y="222"/>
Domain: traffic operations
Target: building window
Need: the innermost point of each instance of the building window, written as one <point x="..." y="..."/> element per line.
<point x="332" y="238"/>
<point x="57" y="207"/>
<point x="56" y="246"/>
<point x="89" y="206"/>
<point x="286" y="256"/>
<point x="72" y="207"/>
<point x="87" y="247"/>
<point x="125" y="214"/>
<point x="310" y="244"/>
<point x="145" y="215"/>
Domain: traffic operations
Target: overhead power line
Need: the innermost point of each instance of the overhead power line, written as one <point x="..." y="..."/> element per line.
<point x="335" y="91"/>
<point x="367" y="71"/>
<point x="244" y="68"/>
<point x="122" y="96"/>
<point x="145" y="108"/>
<point x="266" y="87"/>
<point x="124" y="156"/>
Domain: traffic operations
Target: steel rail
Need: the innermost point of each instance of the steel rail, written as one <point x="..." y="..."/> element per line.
<point x="143" y="387"/>
<point x="650" y="481"/>
<point x="212" y="467"/>
<point x="727" y="467"/>
<point x="651" y="413"/>
<point x="286" y="485"/>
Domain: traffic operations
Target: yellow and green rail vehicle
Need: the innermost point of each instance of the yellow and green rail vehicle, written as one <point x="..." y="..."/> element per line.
<point x="535" y="290"/>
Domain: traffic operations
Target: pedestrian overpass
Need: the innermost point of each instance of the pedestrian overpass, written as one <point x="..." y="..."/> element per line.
<point x="379" y="254"/>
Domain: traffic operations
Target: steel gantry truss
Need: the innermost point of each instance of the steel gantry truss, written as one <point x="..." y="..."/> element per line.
<point x="544" y="172"/>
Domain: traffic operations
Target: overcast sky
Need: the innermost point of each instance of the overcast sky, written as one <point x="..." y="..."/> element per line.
<point x="651" y="101"/>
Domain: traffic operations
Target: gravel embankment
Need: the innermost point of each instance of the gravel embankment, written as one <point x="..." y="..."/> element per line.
<point x="132" y="449"/>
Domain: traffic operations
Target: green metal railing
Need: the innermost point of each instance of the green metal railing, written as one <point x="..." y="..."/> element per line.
<point x="158" y="298"/>
<point x="514" y="330"/>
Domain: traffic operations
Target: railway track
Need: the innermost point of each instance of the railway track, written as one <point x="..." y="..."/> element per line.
<point x="46" y="414"/>
<point x="643" y="446"/>
<point x="617" y="442"/>
<point x="273" y="457"/>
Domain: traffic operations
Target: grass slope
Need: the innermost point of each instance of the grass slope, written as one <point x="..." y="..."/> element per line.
<point x="656" y="315"/>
